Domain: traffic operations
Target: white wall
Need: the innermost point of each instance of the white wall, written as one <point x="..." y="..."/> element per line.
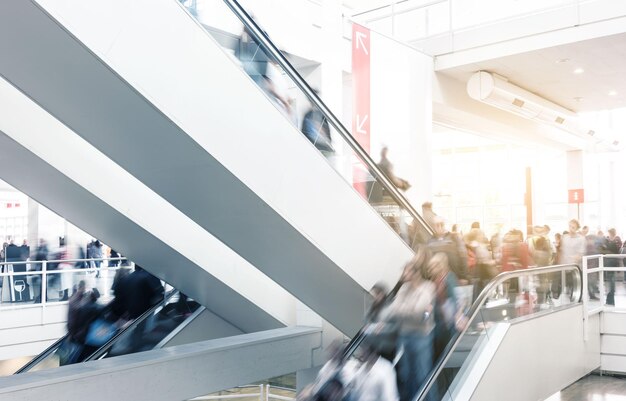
<point x="401" y="112"/>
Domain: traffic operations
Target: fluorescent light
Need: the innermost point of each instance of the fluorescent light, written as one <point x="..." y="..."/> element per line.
<point x="613" y="93"/>
<point x="579" y="70"/>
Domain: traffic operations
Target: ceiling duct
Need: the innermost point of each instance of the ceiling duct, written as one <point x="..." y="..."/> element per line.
<point x="497" y="91"/>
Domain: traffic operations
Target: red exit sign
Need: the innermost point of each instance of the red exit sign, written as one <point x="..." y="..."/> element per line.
<point x="576" y="196"/>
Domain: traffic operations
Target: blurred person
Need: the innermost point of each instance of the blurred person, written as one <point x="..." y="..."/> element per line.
<point x="259" y="65"/>
<point x="495" y="245"/>
<point x="315" y="127"/>
<point x="428" y="214"/>
<point x="74" y="304"/>
<point x="557" y="248"/>
<point x="485" y="267"/>
<point x="88" y="311"/>
<point x="613" y="245"/>
<point x="515" y="256"/>
<point x="63" y="255"/>
<point x="72" y="347"/>
<point x="594" y="245"/>
<point x="378" y="292"/>
<point x="454" y="248"/>
<point x="383" y="335"/>
<point x="542" y="254"/>
<point x="114" y="254"/>
<point x="24" y="250"/>
<point x="253" y="57"/>
<point x="572" y="249"/>
<point x="412" y="309"/>
<point x="375" y="380"/>
<point x="540" y="247"/>
<point x="387" y="168"/>
<point x="333" y="379"/>
<point x="140" y="290"/>
<point x="41" y="254"/>
<point x="448" y="316"/>
<point x="97" y="255"/>
<point x="572" y="245"/>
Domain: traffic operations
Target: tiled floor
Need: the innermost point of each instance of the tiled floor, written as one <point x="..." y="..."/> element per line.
<point x="594" y="388"/>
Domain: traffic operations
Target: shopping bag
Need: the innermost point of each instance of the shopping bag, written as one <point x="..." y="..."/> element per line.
<point x="100" y="331"/>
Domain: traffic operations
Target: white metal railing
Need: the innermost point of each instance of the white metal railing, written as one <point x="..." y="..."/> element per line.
<point x="17" y="277"/>
<point x="591" y="306"/>
<point x="264" y="394"/>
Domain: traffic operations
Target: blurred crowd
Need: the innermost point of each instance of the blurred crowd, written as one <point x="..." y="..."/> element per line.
<point x="409" y="327"/>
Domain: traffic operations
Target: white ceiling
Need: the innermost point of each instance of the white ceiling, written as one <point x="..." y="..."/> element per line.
<point x="603" y="61"/>
<point x="358" y="6"/>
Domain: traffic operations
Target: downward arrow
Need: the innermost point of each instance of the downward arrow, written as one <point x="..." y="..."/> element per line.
<point x="359" y="124"/>
<point x="359" y="40"/>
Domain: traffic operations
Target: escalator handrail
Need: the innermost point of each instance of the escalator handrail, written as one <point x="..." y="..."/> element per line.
<point x="476" y="307"/>
<point x="100" y="352"/>
<point x="52" y="348"/>
<point x="46" y="353"/>
<point x="269" y="46"/>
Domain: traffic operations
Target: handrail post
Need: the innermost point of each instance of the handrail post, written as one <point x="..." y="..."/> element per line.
<point x="44" y="282"/>
<point x="601" y="281"/>
<point x="585" y="291"/>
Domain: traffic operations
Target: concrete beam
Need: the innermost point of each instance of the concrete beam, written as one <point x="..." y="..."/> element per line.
<point x="174" y="373"/>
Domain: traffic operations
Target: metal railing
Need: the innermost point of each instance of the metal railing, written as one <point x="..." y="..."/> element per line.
<point x="264" y="394"/>
<point x="594" y="305"/>
<point x="15" y="277"/>
<point x="481" y="301"/>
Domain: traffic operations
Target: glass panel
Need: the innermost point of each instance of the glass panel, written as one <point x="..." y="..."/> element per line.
<point x="147" y="333"/>
<point x="386" y="131"/>
<point x="531" y="293"/>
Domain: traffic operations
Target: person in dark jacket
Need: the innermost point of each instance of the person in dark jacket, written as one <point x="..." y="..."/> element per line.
<point x="454" y="248"/>
<point x="141" y="290"/>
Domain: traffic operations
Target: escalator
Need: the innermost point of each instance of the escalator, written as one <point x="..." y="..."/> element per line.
<point x="162" y="322"/>
<point x="523" y="339"/>
<point x="172" y="138"/>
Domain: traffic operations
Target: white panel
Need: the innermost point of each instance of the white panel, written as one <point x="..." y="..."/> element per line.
<point x="614" y="323"/>
<point x="188" y="86"/>
<point x="21" y="117"/>
<point x="593" y="343"/>
<point x="612" y="344"/>
<point x="176" y="373"/>
<point x="26" y="349"/>
<point x="547" y="351"/>
<point x="22" y="335"/>
<point x="12" y="317"/>
<point x="613" y="363"/>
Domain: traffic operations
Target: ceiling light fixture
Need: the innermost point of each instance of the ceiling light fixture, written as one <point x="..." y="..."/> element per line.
<point x="562" y="60"/>
<point x="579" y="71"/>
<point x="613" y="93"/>
<point x="578" y="98"/>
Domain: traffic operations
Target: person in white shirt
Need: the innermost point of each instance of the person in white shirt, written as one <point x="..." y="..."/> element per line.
<point x="375" y="380"/>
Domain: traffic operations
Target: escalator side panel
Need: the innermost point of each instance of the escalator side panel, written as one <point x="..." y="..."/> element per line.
<point x="110" y="114"/>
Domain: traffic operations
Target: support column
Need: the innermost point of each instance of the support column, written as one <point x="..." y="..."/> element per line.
<point x="574" y="165"/>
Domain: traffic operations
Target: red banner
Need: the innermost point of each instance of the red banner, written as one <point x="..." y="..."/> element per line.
<point x="361" y="98"/>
